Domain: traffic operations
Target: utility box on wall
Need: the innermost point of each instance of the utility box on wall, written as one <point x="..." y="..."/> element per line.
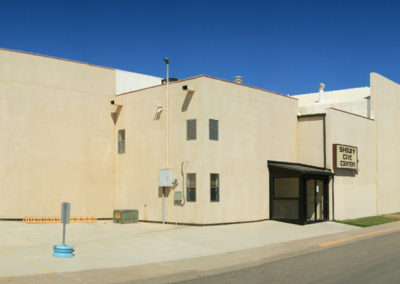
<point x="125" y="216"/>
<point x="178" y="196"/>
<point x="165" y="178"/>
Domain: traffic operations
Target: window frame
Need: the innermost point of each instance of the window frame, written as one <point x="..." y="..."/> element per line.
<point x="121" y="141"/>
<point x="216" y="188"/>
<point x="209" y="129"/>
<point x="191" y="188"/>
<point x="187" y="129"/>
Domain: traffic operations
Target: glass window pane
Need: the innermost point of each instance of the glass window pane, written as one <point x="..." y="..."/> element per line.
<point x="214" y="180"/>
<point x="286" y="209"/>
<point x="319" y="199"/>
<point x="191" y="187"/>
<point x="214" y="187"/>
<point x="191" y="129"/>
<point x="213" y="129"/>
<point x="121" y="141"/>
<point x="191" y="180"/>
<point x="310" y="199"/>
<point x="192" y="194"/>
<point x="286" y="187"/>
<point x="214" y="194"/>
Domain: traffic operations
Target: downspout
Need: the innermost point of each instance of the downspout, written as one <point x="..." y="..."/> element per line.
<point x="333" y="197"/>
<point x="333" y="176"/>
<point x="324" y="137"/>
<point x="183" y="182"/>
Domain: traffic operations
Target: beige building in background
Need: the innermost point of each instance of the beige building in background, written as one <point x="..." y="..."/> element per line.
<point x="97" y="137"/>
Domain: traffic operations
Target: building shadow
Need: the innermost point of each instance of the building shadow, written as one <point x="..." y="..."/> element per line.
<point x="115" y="115"/>
<point x="157" y="116"/>
<point x="167" y="191"/>
<point x="345" y="173"/>
<point x="187" y="100"/>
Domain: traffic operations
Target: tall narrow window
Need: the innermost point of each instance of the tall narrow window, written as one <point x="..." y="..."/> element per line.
<point x="191" y="187"/>
<point x="213" y="129"/>
<point x="121" y="141"/>
<point x="214" y="187"/>
<point x="191" y="129"/>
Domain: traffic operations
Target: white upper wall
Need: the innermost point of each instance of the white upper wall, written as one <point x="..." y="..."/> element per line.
<point x="355" y="100"/>
<point x="334" y="97"/>
<point x="130" y="81"/>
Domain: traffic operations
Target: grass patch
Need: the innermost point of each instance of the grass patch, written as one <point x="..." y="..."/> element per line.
<point x="372" y="221"/>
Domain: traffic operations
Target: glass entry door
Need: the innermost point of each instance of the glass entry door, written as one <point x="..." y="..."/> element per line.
<point x="315" y="200"/>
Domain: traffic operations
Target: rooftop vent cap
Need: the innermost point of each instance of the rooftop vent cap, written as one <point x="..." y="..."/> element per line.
<point x="238" y="79"/>
<point x="321" y="87"/>
<point x="170" y="79"/>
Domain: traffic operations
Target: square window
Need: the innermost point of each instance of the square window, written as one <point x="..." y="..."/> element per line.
<point x="191" y="187"/>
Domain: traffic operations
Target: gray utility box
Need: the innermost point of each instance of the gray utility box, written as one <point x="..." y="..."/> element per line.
<point x="125" y="216"/>
<point x="165" y="178"/>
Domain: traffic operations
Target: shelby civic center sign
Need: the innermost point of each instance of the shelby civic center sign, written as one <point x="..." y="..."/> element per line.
<point x="345" y="157"/>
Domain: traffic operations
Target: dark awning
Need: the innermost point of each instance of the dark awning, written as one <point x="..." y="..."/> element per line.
<point x="300" y="169"/>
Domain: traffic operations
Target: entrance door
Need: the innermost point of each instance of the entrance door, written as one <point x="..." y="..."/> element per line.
<point x="315" y="200"/>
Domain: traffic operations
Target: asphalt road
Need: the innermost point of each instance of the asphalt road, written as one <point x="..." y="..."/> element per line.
<point x="374" y="260"/>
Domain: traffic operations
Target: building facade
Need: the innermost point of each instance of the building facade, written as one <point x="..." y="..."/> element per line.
<point x="97" y="137"/>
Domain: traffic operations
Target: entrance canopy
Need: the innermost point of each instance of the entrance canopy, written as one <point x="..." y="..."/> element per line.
<point x="294" y="169"/>
<point x="298" y="193"/>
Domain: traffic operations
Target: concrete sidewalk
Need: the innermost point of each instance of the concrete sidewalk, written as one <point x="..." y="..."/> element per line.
<point x="187" y="269"/>
<point x="136" y="252"/>
<point x="26" y="249"/>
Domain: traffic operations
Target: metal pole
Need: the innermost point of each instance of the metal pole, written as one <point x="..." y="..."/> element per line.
<point x="163" y="205"/>
<point x="167" y="119"/>
<point x="63" y="240"/>
<point x="166" y="60"/>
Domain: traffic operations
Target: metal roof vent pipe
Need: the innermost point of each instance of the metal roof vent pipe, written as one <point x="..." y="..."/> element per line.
<point x="321" y="87"/>
<point x="238" y="79"/>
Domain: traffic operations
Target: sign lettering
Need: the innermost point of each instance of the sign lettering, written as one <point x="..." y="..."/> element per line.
<point x="345" y="157"/>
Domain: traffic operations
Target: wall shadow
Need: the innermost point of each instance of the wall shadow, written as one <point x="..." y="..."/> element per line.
<point x="345" y="173"/>
<point x="167" y="191"/>
<point x="157" y="116"/>
<point x="187" y="100"/>
<point x="115" y="115"/>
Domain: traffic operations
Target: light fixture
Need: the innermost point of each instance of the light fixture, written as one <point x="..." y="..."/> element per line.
<point x="188" y="88"/>
<point x="114" y="106"/>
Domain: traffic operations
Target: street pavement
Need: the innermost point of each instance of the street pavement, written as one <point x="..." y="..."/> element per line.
<point x="374" y="260"/>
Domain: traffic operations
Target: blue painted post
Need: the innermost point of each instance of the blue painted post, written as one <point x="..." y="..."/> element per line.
<point x="64" y="250"/>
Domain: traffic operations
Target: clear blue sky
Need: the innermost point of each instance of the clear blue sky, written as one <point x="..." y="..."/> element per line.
<point x="283" y="46"/>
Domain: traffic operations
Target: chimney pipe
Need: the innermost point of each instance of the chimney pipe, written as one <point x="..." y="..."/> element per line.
<point x="321" y="87"/>
<point x="238" y="79"/>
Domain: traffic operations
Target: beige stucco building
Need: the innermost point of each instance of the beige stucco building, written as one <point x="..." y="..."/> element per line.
<point x="97" y="137"/>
